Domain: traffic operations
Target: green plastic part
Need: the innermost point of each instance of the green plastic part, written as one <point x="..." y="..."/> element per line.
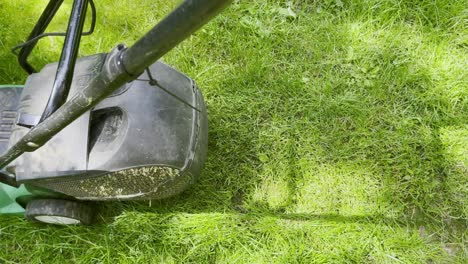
<point x="8" y="196"/>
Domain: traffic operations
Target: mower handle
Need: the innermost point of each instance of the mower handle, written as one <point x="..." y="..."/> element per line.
<point x="122" y="65"/>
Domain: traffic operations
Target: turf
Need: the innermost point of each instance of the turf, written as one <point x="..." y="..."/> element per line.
<point x="338" y="134"/>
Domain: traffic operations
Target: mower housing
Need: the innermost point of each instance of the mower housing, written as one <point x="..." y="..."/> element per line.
<point x="148" y="140"/>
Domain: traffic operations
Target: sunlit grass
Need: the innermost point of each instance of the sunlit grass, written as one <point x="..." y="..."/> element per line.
<point x="338" y="134"/>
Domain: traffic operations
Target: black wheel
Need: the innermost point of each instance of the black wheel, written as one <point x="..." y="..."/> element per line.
<point x="59" y="212"/>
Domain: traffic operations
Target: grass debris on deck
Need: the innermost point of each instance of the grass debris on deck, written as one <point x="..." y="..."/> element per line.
<point x="338" y="134"/>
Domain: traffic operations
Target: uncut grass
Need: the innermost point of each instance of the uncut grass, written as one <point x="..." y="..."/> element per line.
<point x="337" y="134"/>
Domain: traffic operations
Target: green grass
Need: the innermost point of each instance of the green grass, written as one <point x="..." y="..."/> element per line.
<point x="338" y="134"/>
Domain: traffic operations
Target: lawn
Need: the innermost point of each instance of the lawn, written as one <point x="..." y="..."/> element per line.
<point x="338" y="134"/>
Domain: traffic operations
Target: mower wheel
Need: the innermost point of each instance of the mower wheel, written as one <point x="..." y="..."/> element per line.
<point x="59" y="212"/>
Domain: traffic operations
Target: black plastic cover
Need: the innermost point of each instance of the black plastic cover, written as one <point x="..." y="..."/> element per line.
<point x="67" y="151"/>
<point x="140" y="128"/>
<point x="9" y="100"/>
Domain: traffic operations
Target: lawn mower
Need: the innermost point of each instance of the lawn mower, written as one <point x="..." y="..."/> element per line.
<point x="107" y="127"/>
